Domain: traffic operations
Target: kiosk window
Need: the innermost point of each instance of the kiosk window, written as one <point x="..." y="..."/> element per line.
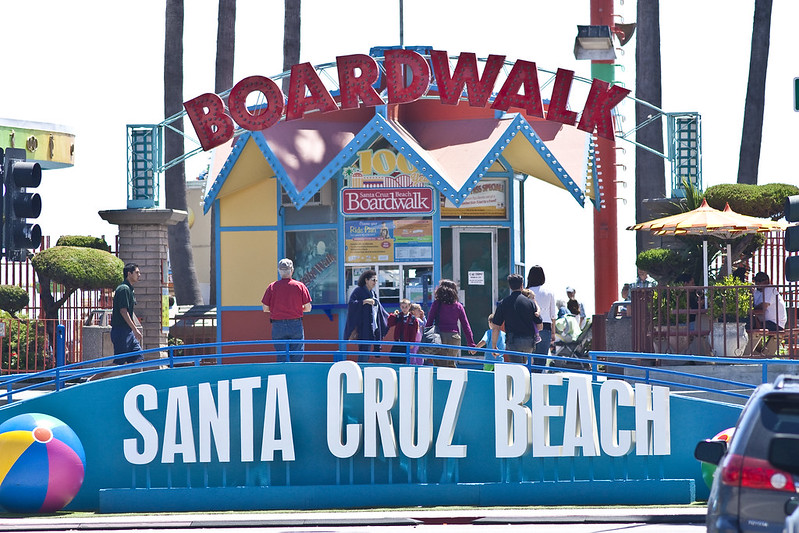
<point x="395" y="281"/>
<point x="315" y="264"/>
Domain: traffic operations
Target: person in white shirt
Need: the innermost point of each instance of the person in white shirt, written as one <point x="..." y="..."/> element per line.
<point x="769" y="299"/>
<point x="546" y="307"/>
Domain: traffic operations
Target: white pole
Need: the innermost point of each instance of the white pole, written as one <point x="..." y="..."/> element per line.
<point x="729" y="259"/>
<point x="704" y="262"/>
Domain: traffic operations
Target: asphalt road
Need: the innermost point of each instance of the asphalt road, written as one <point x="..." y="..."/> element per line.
<point x="574" y="520"/>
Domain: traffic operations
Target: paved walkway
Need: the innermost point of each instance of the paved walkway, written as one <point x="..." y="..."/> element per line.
<point x="651" y="515"/>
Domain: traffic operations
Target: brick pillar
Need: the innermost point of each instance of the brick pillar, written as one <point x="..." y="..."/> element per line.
<point x="143" y="240"/>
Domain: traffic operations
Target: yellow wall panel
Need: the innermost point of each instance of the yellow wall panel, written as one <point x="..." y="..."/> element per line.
<point x="249" y="264"/>
<point x="250" y="167"/>
<point x="254" y="206"/>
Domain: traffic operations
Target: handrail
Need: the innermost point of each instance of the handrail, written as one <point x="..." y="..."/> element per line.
<point x="599" y="365"/>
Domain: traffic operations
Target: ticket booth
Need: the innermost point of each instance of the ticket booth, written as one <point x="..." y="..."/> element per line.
<point x="418" y="191"/>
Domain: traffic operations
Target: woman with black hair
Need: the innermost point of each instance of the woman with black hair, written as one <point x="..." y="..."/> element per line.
<point x="366" y="318"/>
<point x="447" y="312"/>
<point x="546" y="307"/>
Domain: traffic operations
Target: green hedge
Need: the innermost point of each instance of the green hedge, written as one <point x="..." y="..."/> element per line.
<point x="84" y="241"/>
<point x="25" y="343"/>
<point x="662" y="264"/>
<point x="13" y="299"/>
<point x="84" y="268"/>
<point x="763" y="201"/>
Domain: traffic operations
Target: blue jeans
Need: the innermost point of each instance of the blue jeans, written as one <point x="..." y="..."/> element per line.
<point x="289" y="330"/>
<point x="546" y="338"/>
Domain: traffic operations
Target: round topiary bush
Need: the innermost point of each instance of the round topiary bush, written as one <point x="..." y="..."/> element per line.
<point x="83" y="241"/>
<point x="662" y="264"/>
<point x="84" y="268"/>
<point x="13" y="299"/>
<point x="764" y="201"/>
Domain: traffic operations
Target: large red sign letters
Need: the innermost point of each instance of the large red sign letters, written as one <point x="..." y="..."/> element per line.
<point x="358" y="73"/>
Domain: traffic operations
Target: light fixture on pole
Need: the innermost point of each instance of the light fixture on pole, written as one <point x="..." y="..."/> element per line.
<point x="594" y="42"/>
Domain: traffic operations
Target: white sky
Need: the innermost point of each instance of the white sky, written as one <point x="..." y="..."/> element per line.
<point x="95" y="66"/>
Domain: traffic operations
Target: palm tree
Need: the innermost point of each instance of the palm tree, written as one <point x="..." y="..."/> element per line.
<point x="291" y="38"/>
<point x="184" y="277"/>
<point x="650" y="171"/>
<point x="225" y="54"/>
<point x="749" y="158"/>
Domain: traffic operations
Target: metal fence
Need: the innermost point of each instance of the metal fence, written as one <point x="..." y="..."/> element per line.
<point x="27" y="343"/>
<point x="715" y="320"/>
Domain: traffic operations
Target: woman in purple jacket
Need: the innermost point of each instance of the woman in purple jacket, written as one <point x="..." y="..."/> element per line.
<point x="446" y="312"/>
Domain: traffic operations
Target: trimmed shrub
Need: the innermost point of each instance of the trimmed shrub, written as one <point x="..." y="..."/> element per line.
<point x="84" y="241"/>
<point x="13" y="299"/>
<point x="763" y="201"/>
<point x="84" y="268"/>
<point x="662" y="264"/>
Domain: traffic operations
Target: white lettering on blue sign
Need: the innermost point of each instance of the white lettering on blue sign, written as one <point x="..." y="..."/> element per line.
<point x="518" y="427"/>
<point x="214" y="421"/>
<point x="524" y="416"/>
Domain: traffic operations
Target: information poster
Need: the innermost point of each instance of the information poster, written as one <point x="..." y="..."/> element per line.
<point x="488" y="199"/>
<point x="388" y="241"/>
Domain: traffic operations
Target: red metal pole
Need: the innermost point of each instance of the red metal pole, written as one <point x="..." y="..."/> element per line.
<point x="606" y="245"/>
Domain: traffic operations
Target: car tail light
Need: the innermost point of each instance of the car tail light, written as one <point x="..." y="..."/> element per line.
<point x="752" y="473"/>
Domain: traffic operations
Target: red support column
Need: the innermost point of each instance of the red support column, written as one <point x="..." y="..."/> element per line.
<point x="606" y="245"/>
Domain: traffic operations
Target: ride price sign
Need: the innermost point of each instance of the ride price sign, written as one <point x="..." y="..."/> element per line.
<point x="388" y="241"/>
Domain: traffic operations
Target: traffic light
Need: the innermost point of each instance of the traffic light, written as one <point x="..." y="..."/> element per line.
<point x="792" y="238"/>
<point x="19" y="205"/>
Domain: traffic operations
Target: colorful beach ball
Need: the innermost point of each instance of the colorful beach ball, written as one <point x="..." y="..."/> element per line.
<point x="42" y="464"/>
<point x="709" y="469"/>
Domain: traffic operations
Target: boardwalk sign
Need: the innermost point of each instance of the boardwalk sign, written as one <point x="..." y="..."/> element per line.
<point x="359" y="81"/>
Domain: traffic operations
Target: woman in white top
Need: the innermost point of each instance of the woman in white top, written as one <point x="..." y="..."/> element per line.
<point x="546" y="306"/>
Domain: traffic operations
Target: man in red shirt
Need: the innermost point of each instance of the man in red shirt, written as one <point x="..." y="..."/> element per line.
<point x="286" y="300"/>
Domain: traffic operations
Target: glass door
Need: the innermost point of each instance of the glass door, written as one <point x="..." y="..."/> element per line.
<point x="474" y="268"/>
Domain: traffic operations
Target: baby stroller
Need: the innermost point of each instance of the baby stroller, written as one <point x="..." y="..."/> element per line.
<point x="576" y="349"/>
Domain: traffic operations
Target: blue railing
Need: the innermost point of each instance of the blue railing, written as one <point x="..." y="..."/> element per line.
<point x="637" y="367"/>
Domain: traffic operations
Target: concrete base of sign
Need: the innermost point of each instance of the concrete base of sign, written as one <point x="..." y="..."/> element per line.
<point x="583" y="492"/>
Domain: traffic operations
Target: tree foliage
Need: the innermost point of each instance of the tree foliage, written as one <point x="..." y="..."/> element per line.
<point x="79" y="268"/>
<point x="75" y="268"/>
<point x="13" y="299"/>
<point x="662" y="264"/>
<point x="763" y="201"/>
<point x="84" y="241"/>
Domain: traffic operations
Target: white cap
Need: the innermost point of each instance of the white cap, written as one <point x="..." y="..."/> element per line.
<point x="285" y="265"/>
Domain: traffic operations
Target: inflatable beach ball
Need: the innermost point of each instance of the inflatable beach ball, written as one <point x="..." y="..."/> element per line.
<point x="709" y="469"/>
<point x="41" y="464"/>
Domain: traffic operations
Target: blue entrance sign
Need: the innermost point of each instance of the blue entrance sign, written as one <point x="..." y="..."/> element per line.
<point x="342" y="435"/>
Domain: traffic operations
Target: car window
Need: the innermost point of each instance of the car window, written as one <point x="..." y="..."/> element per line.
<point x="780" y="413"/>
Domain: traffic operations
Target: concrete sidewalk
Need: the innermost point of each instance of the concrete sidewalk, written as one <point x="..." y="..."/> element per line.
<point x="568" y="515"/>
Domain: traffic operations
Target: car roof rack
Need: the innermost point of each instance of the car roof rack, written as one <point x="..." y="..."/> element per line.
<point x="786" y="380"/>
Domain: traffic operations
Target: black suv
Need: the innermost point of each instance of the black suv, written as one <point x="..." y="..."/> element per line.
<point x="753" y="487"/>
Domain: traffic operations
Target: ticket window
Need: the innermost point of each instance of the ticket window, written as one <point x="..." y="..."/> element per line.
<point x="395" y="282"/>
<point x="418" y="284"/>
<point x="389" y="284"/>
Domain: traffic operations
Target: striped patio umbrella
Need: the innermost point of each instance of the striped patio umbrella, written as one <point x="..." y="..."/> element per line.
<point x="709" y="222"/>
